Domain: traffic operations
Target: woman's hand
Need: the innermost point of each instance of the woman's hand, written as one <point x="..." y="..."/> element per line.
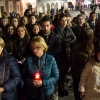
<point x="1" y="89"/>
<point x="37" y="83"/>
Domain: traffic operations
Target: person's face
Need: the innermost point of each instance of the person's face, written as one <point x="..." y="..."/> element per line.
<point x="93" y="17"/>
<point x="58" y="13"/>
<point x="21" y="32"/>
<point x="81" y="20"/>
<point x="5" y="15"/>
<point x="41" y="16"/>
<point x="1" y="50"/>
<point x="38" y="51"/>
<point x="18" y="16"/>
<point x="35" y="29"/>
<point x="24" y="21"/>
<point x="98" y="56"/>
<point x="53" y="17"/>
<point x="69" y="20"/>
<point x="3" y="22"/>
<point x="10" y="30"/>
<point x="46" y="27"/>
<point x="28" y="13"/>
<point x="32" y="20"/>
<point x="35" y="13"/>
<point x="14" y="21"/>
<point x="63" y="22"/>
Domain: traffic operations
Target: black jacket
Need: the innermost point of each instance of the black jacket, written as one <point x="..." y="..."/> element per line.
<point x="92" y="26"/>
<point x="53" y="41"/>
<point x="67" y="36"/>
<point x="20" y="47"/>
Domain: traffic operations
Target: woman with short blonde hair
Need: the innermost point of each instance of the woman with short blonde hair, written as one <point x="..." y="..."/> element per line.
<point x="39" y="41"/>
<point x="40" y="71"/>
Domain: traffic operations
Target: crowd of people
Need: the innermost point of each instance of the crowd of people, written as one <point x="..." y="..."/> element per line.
<point x="36" y="52"/>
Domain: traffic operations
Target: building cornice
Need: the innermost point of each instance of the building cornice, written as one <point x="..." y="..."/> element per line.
<point x="3" y="0"/>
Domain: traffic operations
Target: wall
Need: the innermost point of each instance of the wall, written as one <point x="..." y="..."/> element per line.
<point x="45" y="5"/>
<point x="42" y="6"/>
<point x="2" y="9"/>
<point x="10" y="4"/>
<point x="18" y="7"/>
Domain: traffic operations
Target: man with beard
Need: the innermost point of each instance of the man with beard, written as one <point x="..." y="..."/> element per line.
<point x="53" y="41"/>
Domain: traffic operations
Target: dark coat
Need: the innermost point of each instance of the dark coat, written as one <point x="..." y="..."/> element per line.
<point x="78" y="29"/>
<point x="49" y="72"/>
<point x="9" y="43"/>
<point x="55" y="22"/>
<point x="96" y="40"/>
<point x="67" y="36"/>
<point x="12" y="75"/>
<point x="78" y="59"/>
<point x="53" y="41"/>
<point x="20" y="47"/>
<point x="92" y="26"/>
<point x="28" y="50"/>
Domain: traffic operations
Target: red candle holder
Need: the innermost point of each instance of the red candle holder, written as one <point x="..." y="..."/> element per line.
<point x="37" y="76"/>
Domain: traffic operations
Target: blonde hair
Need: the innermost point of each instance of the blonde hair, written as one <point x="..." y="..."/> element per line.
<point x="2" y="43"/>
<point x="40" y="42"/>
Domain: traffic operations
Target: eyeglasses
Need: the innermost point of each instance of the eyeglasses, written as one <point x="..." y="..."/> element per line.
<point x="35" y="48"/>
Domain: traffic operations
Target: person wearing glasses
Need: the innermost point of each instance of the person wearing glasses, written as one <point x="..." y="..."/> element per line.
<point x="40" y="71"/>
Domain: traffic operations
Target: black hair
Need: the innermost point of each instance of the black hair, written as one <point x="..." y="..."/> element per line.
<point x="27" y="10"/>
<point x="8" y="27"/>
<point x="30" y="15"/>
<point x="93" y="12"/>
<point x="40" y="14"/>
<point x="13" y="17"/>
<point x="46" y="18"/>
<point x="62" y="15"/>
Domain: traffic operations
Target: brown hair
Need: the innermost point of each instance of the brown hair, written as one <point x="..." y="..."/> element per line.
<point x="22" y="19"/>
<point x="26" y="32"/>
<point x="86" y="37"/>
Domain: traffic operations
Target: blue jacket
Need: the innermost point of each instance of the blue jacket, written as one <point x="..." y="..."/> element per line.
<point x="49" y="72"/>
<point x="12" y="75"/>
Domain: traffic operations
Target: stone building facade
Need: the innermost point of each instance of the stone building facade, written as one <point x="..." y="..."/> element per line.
<point x="44" y="6"/>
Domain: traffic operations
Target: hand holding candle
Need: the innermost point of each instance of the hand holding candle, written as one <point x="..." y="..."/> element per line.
<point x="37" y="80"/>
<point x="37" y="83"/>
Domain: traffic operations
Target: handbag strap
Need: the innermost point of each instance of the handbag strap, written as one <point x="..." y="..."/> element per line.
<point x="3" y="75"/>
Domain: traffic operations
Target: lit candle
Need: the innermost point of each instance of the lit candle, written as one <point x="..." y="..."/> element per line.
<point x="37" y="76"/>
